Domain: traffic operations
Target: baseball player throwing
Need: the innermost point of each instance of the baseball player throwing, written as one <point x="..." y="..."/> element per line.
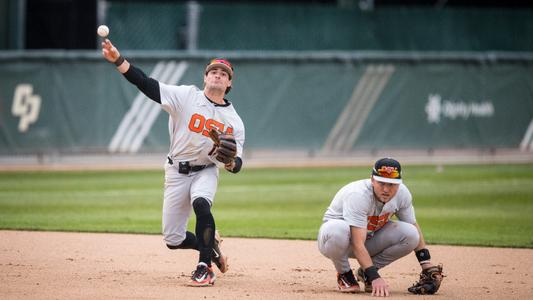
<point x="205" y="131"/>
<point x="358" y="224"/>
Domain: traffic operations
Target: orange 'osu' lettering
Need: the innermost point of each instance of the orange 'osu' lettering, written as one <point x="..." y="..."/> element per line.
<point x="376" y="222"/>
<point x="199" y="124"/>
<point x="212" y="124"/>
<point x="196" y="124"/>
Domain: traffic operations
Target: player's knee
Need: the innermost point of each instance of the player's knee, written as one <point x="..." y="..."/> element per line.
<point x="201" y="207"/>
<point x="172" y="244"/>
<point x="189" y="242"/>
<point x="172" y="247"/>
<point x="412" y="237"/>
<point x="339" y="230"/>
<point x="173" y="240"/>
<point x="338" y="239"/>
<point x="335" y="234"/>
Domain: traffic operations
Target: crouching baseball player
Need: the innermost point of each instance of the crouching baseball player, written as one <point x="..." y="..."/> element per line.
<point x="358" y="224"/>
<point x="205" y="130"/>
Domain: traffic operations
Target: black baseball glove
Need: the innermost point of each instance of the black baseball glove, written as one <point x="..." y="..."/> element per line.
<point x="226" y="146"/>
<point x="429" y="282"/>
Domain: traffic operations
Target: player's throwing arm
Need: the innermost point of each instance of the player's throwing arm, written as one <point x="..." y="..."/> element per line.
<point x="205" y="133"/>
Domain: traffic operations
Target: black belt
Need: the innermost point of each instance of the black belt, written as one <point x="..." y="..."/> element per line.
<point x="185" y="168"/>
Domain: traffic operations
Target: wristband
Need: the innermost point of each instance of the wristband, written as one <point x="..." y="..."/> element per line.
<point x="119" y="61"/>
<point x="371" y="273"/>
<point x="422" y="255"/>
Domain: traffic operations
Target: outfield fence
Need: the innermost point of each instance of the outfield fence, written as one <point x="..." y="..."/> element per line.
<point x="317" y="104"/>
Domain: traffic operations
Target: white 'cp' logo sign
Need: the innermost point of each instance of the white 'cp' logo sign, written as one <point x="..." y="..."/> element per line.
<point x="26" y="106"/>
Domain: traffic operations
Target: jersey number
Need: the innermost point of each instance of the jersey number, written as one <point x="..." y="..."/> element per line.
<point x="199" y="124"/>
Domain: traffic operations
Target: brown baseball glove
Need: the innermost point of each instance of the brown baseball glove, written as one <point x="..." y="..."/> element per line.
<point x="429" y="282"/>
<point x="226" y="146"/>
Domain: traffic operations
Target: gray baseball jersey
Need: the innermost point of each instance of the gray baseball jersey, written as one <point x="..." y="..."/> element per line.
<point x="191" y="116"/>
<point x="355" y="203"/>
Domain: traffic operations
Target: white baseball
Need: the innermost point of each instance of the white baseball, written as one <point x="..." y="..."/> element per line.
<point x="103" y="31"/>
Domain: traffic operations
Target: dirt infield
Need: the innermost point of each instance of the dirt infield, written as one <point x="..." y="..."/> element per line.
<point x="56" y="265"/>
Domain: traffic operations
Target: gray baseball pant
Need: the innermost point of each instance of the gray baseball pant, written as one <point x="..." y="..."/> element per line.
<point x="395" y="240"/>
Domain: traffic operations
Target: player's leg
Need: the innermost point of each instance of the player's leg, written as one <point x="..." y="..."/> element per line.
<point x="205" y="228"/>
<point x="334" y="243"/>
<point x="395" y="240"/>
<point x="203" y="189"/>
<point x="190" y="242"/>
<point x="176" y="211"/>
<point x="392" y="242"/>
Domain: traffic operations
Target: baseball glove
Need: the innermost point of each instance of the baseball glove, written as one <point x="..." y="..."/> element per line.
<point x="226" y="146"/>
<point x="429" y="282"/>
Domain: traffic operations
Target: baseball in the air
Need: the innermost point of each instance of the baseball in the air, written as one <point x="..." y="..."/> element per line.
<point x="103" y="31"/>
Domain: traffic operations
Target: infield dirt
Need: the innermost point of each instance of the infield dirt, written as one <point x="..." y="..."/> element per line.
<point x="59" y="265"/>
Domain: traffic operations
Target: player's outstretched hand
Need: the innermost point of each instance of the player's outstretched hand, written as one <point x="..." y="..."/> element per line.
<point x="380" y="288"/>
<point x="109" y="51"/>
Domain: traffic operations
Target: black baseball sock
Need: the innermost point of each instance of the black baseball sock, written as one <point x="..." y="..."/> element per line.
<point x="205" y="229"/>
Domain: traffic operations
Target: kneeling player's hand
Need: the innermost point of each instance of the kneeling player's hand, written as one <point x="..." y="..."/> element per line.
<point x="380" y="288"/>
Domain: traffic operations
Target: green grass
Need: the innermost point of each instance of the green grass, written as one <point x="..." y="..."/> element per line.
<point x="464" y="205"/>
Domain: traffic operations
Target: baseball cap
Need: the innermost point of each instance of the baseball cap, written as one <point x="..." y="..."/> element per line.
<point x="224" y="64"/>
<point x="387" y="170"/>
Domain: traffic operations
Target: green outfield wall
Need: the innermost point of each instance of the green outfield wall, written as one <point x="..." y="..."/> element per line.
<point x="328" y="102"/>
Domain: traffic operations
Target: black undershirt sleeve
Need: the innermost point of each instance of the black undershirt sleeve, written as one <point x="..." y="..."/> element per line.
<point x="150" y="87"/>
<point x="147" y="85"/>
